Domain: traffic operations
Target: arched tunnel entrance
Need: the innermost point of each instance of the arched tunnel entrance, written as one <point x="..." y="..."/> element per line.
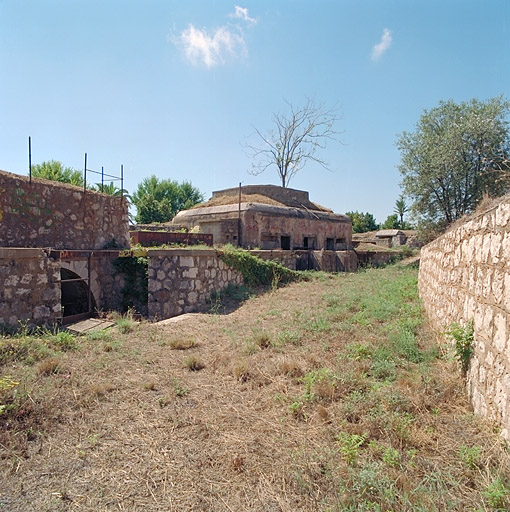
<point x="76" y="297"/>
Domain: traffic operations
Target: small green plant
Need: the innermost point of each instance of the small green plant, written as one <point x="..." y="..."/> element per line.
<point x="312" y="378"/>
<point x="125" y="323"/>
<point x="391" y="457"/>
<point x="497" y="495"/>
<point x="179" y="388"/>
<point x="470" y="455"/>
<point x="462" y="335"/>
<point x="64" y="340"/>
<point x="349" y="444"/>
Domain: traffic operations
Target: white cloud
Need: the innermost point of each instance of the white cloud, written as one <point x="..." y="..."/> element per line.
<point x="383" y="45"/>
<point x="241" y="13"/>
<point x="200" y="47"/>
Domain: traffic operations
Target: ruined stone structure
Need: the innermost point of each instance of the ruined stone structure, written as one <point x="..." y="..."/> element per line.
<point x="269" y="217"/>
<point x="45" y="213"/>
<point x="39" y="286"/>
<point x="181" y="280"/>
<point x="465" y="276"/>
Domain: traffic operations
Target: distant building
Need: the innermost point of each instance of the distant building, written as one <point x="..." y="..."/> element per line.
<point x="268" y="217"/>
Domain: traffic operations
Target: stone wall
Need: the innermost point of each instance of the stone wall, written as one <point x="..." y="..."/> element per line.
<point x="30" y="287"/>
<point x="182" y="280"/>
<point x="45" y="213"/>
<point x="328" y="261"/>
<point x="465" y="276"/>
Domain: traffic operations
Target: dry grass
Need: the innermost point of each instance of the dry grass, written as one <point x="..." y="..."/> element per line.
<point x="291" y="427"/>
<point x="253" y="198"/>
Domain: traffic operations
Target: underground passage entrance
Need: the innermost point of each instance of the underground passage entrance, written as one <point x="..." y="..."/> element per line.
<point x="76" y="298"/>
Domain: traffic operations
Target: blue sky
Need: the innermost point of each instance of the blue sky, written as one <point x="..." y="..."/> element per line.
<point x="175" y="88"/>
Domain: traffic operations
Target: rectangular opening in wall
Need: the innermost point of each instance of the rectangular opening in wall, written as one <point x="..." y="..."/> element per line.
<point x="330" y="244"/>
<point x="285" y="243"/>
<point x="340" y="244"/>
<point x="268" y="241"/>
<point x="309" y="242"/>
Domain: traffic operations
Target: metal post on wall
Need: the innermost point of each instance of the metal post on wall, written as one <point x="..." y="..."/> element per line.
<point x="121" y="181"/>
<point x="30" y="158"/>
<point x="85" y="174"/>
<point x="239" y="219"/>
<point x="102" y="179"/>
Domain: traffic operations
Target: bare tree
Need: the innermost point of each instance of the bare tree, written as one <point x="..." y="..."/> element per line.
<point x="295" y="139"/>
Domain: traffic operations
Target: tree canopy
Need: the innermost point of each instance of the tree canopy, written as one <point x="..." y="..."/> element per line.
<point x="362" y="222"/>
<point x="457" y="153"/>
<point x="159" y="200"/>
<point x="56" y="171"/>
<point x="296" y="139"/>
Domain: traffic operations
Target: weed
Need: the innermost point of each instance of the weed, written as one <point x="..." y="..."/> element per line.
<point x="391" y="457"/>
<point x="125" y="324"/>
<point x="182" y="343"/>
<point x="286" y="336"/>
<point x="349" y="444"/>
<point x="462" y="335"/>
<point x="359" y="351"/>
<point x="497" y="495"/>
<point x="6" y="383"/>
<point x="64" y="340"/>
<point x="193" y="364"/>
<point x="384" y="369"/>
<point x="470" y="455"/>
<point x="313" y="377"/>
<point x="103" y="335"/>
<point x="179" y="388"/>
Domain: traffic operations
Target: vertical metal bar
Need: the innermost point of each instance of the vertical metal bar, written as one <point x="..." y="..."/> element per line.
<point x="89" y="292"/>
<point x="102" y="178"/>
<point x="85" y="174"/>
<point x="30" y="158"/>
<point x="239" y="219"/>
<point x="121" y="181"/>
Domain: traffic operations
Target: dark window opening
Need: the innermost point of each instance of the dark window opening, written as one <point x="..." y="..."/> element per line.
<point x="341" y="244"/>
<point x="285" y="243"/>
<point x="330" y="244"/>
<point x="75" y="294"/>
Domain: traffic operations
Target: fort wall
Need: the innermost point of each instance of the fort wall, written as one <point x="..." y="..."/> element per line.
<point x="44" y="213"/>
<point x="465" y="277"/>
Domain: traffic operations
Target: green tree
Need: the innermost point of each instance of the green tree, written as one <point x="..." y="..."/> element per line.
<point x="401" y="209"/>
<point x="456" y="154"/>
<point x="362" y="222"/>
<point x="56" y="171"/>
<point x="112" y="190"/>
<point x="391" y="222"/>
<point x="159" y="200"/>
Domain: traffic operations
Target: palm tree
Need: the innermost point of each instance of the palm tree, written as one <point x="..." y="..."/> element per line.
<point x="400" y="209"/>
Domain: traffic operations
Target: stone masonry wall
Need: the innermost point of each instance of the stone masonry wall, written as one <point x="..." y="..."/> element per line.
<point x="49" y="214"/>
<point x="465" y="276"/>
<point x="30" y="287"/>
<point x="181" y="280"/>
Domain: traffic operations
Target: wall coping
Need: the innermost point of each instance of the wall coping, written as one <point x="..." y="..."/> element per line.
<point x="23" y="253"/>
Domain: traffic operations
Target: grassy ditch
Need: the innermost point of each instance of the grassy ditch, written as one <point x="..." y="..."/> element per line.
<point x="324" y="395"/>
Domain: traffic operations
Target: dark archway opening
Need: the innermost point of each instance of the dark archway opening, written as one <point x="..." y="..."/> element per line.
<point x="75" y="294"/>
